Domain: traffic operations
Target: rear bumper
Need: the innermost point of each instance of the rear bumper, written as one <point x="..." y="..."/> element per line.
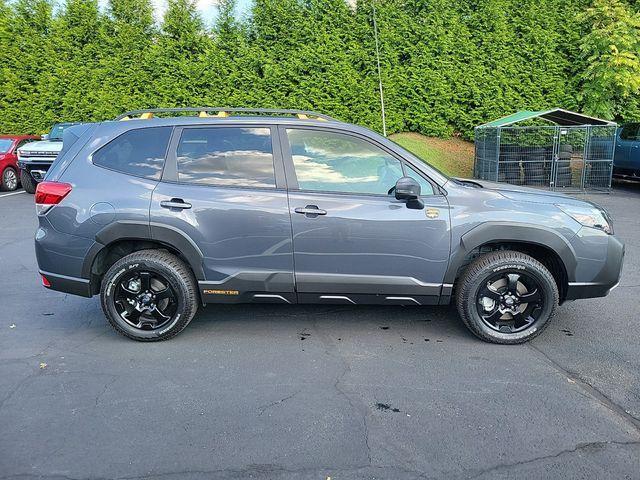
<point x="72" y="285"/>
<point x="606" y="279"/>
<point x="58" y="252"/>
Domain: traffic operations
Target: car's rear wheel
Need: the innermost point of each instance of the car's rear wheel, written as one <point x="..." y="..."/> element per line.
<point x="28" y="183"/>
<point x="149" y="295"/>
<point x="506" y="297"/>
<point x="9" y="180"/>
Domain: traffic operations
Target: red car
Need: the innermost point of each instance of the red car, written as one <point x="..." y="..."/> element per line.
<point x="9" y="144"/>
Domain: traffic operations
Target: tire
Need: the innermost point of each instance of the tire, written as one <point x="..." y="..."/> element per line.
<point x="537" y="181"/>
<point x="476" y="279"/>
<point x="564" y="181"/>
<point x="533" y="171"/>
<point x="9" y="180"/>
<point x="531" y="167"/>
<point x="28" y="183"/>
<point x="160" y="268"/>
<point x="566" y="156"/>
<point x="566" y="147"/>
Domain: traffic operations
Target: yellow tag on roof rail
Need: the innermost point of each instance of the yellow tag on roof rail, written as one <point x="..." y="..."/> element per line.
<point x="220" y="112"/>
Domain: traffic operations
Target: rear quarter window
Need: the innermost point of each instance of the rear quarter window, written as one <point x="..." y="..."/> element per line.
<point x="140" y="152"/>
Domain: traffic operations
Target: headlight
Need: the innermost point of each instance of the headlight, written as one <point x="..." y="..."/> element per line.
<point x="589" y="216"/>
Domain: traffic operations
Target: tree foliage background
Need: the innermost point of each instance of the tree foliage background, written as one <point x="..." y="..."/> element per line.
<point x="447" y="65"/>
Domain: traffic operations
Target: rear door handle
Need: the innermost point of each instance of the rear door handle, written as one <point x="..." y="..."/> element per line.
<point x="175" y="203"/>
<point x="310" y="210"/>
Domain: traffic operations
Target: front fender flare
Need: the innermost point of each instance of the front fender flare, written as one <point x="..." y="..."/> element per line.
<point x="505" y="232"/>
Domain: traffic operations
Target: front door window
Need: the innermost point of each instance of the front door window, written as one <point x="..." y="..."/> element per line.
<point x="334" y="162"/>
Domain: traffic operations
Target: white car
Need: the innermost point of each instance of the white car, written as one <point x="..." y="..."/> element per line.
<point x="35" y="158"/>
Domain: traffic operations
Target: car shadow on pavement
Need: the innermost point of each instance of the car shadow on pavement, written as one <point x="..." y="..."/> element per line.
<point x="409" y="324"/>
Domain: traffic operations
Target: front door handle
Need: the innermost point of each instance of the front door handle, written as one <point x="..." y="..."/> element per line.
<point x="175" y="203"/>
<point x="310" y="210"/>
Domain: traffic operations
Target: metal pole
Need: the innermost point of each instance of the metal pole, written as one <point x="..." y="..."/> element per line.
<point x="375" y="34"/>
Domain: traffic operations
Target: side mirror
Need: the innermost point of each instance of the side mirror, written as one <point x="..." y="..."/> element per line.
<point x="408" y="190"/>
<point x="44" y="136"/>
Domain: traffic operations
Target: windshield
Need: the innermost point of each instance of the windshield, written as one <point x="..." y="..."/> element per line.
<point x="5" y="144"/>
<point x="56" y="131"/>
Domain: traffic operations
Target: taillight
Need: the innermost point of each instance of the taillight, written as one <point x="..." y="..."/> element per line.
<point x="49" y="194"/>
<point x="45" y="281"/>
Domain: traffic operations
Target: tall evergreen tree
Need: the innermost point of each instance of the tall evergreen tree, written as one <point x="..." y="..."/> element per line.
<point x="229" y="70"/>
<point x="611" y="50"/>
<point x="125" y="72"/>
<point x="28" y="64"/>
<point x="176" y="56"/>
<point x="76" y="49"/>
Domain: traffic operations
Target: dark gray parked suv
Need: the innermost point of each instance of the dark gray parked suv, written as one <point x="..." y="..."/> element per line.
<point x="159" y="215"/>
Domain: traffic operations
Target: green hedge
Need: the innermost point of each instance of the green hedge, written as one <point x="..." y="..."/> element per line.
<point x="446" y="65"/>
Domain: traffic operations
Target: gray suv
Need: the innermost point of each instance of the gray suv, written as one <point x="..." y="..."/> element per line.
<point x="159" y="215"/>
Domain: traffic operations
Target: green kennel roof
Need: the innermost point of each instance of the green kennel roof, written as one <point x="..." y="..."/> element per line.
<point x="558" y="116"/>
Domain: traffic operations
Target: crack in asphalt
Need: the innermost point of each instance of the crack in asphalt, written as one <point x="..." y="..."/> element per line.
<point x="330" y="349"/>
<point x="577" y="448"/>
<point x="15" y="389"/>
<point x="263" y="408"/>
<point x="592" y="391"/>
<point x="104" y="389"/>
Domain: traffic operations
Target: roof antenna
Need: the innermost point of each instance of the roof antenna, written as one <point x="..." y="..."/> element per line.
<point x="375" y="34"/>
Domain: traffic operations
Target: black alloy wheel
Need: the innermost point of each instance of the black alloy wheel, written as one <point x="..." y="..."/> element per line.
<point x="506" y="297"/>
<point x="510" y="302"/>
<point x="149" y="295"/>
<point x="145" y="300"/>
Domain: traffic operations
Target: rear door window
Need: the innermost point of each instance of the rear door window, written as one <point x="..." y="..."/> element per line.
<point x="140" y="152"/>
<point x="226" y="156"/>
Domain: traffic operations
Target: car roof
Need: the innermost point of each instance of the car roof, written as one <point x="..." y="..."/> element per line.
<point x="112" y="128"/>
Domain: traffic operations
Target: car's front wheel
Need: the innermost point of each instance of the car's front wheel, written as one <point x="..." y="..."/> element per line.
<point x="28" y="183"/>
<point x="149" y="295"/>
<point x="506" y="297"/>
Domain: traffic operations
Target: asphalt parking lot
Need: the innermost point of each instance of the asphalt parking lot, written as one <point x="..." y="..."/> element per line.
<point x="310" y="392"/>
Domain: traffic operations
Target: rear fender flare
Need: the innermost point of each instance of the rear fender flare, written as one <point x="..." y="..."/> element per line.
<point x="154" y="232"/>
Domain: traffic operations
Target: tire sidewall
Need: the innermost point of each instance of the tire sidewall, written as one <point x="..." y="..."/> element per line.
<point x="27" y="181"/>
<point x="109" y="287"/>
<point x="512" y="267"/>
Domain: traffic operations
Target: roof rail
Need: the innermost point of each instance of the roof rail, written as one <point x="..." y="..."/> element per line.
<point x="222" y="112"/>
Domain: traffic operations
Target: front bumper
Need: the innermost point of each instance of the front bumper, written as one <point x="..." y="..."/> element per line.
<point x="601" y="269"/>
<point x="37" y="169"/>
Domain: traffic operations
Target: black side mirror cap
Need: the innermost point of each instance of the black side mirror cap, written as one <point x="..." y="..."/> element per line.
<point x="407" y="189"/>
<point x="415" y="204"/>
